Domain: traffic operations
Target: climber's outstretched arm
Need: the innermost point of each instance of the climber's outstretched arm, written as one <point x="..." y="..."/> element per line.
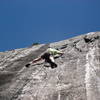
<point x="61" y="53"/>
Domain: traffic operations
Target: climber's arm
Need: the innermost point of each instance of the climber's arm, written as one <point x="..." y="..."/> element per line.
<point x="59" y="52"/>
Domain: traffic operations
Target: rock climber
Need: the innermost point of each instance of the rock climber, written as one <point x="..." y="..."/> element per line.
<point x="48" y="56"/>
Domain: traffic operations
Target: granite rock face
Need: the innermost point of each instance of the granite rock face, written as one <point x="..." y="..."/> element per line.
<point x="77" y="76"/>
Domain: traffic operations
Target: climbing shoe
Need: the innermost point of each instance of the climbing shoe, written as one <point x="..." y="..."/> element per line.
<point x="27" y="65"/>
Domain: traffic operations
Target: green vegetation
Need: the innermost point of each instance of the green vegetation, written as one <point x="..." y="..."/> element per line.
<point x="35" y="44"/>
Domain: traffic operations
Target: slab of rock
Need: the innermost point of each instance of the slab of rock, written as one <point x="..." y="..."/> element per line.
<point x="77" y="76"/>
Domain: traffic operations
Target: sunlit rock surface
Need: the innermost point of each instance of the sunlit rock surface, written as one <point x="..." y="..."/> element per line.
<point x="77" y="76"/>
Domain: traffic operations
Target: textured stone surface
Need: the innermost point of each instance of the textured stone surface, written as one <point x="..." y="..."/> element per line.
<point x="77" y="76"/>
